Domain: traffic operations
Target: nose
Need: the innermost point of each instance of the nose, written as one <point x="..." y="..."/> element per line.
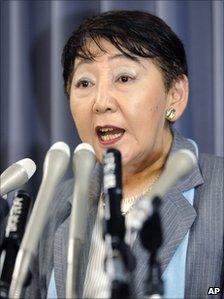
<point x="104" y="100"/>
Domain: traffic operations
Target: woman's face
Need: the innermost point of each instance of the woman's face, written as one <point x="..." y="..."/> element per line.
<point x="117" y="102"/>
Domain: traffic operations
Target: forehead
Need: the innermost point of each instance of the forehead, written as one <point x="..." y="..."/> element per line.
<point x="104" y="50"/>
<point x="98" y="49"/>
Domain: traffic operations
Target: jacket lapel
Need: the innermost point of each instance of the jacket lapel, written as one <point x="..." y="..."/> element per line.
<point x="84" y="257"/>
<point x="177" y="216"/>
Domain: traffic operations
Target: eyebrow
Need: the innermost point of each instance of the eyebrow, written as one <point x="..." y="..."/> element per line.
<point x="114" y="57"/>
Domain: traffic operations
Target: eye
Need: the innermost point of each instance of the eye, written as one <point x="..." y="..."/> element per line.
<point x="124" y="78"/>
<point x="83" y="84"/>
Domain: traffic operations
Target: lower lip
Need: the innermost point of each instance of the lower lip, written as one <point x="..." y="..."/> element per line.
<point x="110" y="142"/>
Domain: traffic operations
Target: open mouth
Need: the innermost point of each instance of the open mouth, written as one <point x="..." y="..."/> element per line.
<point x="109" y="134"/>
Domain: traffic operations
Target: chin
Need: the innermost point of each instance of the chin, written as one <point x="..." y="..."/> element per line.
<point x="126" y="158"/>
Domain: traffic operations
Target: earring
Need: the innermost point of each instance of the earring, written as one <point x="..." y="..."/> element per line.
<point x="170" y="113"/>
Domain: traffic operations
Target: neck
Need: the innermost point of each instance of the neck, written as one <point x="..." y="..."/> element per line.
<point x="144" y="174"/>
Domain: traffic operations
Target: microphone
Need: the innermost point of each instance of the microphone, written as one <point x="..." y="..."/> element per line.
<point x="4" y="210"/>
<point x="113" y="193"/>
<point x="16" y="175"/>
<point x="55" y="165"/>
<point x="13" y="236"/>
<point x="119" y="261"/>
<point x="83" y="164"/>
<point x="178" y="166"/>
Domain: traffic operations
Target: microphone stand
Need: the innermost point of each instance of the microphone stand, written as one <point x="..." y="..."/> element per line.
<point x="119" y="262"/>
<point x="152" y="237"/>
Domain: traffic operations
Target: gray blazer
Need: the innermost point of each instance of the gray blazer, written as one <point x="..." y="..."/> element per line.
<point x="205" y="220"/>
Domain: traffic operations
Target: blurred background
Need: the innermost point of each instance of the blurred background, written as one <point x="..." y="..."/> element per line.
<point x="34" y="110"/>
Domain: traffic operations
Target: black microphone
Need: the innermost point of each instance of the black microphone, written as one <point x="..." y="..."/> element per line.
<point x="119" y="261"/>
<point x="13" y="236"/>
<point x="4" y="210"/>
<point x="113" y="193"/>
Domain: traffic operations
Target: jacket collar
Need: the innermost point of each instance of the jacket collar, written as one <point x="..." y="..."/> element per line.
<point x="177" y="213"/>
<point x="177" y="216"/>
<point x="194" y="179"/>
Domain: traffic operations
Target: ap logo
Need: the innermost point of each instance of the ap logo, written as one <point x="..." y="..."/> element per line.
<point x="213" y="291"/>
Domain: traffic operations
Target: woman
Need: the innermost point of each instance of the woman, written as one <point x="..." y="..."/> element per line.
<point x="125" y="75"/>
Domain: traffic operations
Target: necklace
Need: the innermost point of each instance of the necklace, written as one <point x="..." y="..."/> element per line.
<point x="128" y="203"/>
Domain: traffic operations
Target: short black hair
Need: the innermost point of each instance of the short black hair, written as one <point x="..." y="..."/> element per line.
<point x="134" y="33"/>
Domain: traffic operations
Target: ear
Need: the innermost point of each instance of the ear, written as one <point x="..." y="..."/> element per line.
<point x="177" y="96"/>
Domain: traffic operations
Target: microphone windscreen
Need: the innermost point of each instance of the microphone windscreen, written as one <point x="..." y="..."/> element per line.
<point x="16" y="175"/>
<point x="28" y="165"/>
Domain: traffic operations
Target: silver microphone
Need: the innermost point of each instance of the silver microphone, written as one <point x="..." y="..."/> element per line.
<point x="177" y="167"/>
<point x="16" y="175"/>
<point x="55" y="165"/>
<point x="83" y="164"/>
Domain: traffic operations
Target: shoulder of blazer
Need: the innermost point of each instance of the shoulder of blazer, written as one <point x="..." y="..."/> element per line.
<point x="212" y="169"/>
<point x="205" y="245"/>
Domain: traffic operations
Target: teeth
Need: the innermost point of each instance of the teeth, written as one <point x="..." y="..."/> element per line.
<point x="110" y="137"/>
<point x="106" y="129"/>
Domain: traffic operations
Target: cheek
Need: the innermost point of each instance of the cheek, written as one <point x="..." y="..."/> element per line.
<point x="75" y="114"/>
<point x="82" y="121"/>
<point x="146" y="126"/>
<point x="146" y="114"/>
